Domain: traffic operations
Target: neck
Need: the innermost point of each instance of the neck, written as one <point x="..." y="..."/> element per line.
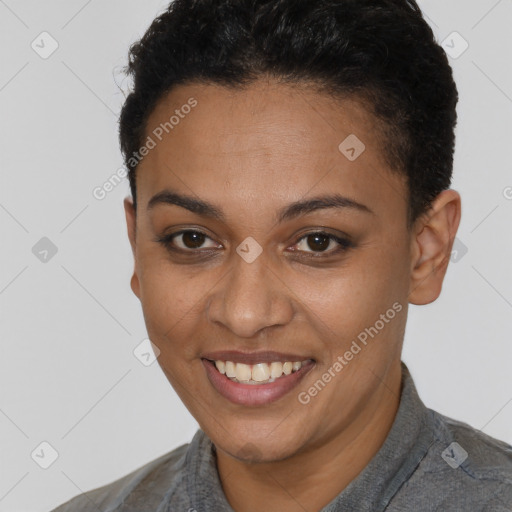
<point x="305" y="480"/>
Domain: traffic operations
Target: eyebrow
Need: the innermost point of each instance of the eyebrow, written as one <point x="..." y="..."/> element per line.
<point x="291" y="211"/>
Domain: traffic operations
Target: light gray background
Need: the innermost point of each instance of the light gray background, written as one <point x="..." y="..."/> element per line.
<point x="68" y="375"/>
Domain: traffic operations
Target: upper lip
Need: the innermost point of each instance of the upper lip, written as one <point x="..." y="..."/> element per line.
<point x="253" y="357"/>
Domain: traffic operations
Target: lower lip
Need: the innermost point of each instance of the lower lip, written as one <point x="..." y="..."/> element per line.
<point x="254" y="394"/>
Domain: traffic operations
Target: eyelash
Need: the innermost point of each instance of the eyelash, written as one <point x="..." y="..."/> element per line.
<point x="344" y="244"/>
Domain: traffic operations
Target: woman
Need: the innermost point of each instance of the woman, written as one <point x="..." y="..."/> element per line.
<point x="290" y="164"/>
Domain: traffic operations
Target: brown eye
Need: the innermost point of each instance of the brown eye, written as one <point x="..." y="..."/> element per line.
<point x="186" y="241"/>
<point x="193" y="239"/>
<point x="319" y="242"/>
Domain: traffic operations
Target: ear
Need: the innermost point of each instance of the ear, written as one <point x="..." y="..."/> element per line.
<point x="131" y="221"/>
<point x="434" y="234"/>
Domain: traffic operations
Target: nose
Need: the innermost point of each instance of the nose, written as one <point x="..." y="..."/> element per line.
<point x="250" y="298"/>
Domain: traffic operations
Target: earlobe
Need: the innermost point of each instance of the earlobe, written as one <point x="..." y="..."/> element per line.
<point x="130" y="215"/>
<point x="432" y="247"/>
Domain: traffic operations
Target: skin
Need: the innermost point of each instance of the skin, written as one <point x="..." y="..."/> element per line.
<point x="251" y="152"/>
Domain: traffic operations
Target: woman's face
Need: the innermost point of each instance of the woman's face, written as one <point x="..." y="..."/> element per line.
<point x="266" y="286"/>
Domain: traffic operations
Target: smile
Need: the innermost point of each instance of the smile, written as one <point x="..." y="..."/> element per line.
<point x="259" y="373"/>
<point x="256" y="384"/>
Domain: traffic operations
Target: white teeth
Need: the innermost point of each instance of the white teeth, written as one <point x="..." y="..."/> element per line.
<point x="276" y="370"/>
<point x="243" y="372"/>
<point x="287" y="368"/>
<point x="258" y="373"/>
<point x="230" y="369"/>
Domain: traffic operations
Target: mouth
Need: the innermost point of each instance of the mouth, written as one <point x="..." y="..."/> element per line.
<point x="259" y="373"/>
<point x="255" y="379"/>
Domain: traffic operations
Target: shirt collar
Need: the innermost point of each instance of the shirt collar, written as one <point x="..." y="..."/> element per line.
<point x="406" y="444"/>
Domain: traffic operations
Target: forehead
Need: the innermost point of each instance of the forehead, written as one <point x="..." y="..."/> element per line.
<point x="269" y="142"/>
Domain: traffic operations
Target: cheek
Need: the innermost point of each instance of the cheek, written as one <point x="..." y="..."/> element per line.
<point x="170" y="299"/>
<point x="345" y="301"/>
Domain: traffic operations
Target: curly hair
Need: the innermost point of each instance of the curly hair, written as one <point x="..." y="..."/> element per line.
<point x="380" y="51"/>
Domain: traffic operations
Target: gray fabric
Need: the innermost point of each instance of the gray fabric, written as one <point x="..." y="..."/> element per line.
<point x="407" y="474"/>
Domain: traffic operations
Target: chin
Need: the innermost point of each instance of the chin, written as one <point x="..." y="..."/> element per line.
<point x="260" y="444"/>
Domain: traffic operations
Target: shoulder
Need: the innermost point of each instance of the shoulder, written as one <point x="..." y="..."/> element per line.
<point x="463" y="469"/>
<point x="148" y="483"/>
<point x="485" y="458"/>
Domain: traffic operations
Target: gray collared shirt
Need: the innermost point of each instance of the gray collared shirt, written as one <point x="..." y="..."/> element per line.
<point x="427" y="463"/>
